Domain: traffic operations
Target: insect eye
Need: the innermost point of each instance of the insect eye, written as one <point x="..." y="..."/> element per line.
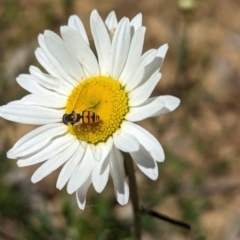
<point x="65" y="119"/>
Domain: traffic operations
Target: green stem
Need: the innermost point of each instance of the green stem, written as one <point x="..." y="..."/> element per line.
<point x="128" y="163"/>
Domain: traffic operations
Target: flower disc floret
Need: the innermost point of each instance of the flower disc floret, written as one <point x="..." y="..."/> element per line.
<point x="105" y="97"/>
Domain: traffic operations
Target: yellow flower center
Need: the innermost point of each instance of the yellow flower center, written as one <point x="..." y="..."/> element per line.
<point x="103" y="96"/>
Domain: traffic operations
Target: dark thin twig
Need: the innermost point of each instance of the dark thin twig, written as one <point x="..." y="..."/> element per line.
<point x="165" y="218"/>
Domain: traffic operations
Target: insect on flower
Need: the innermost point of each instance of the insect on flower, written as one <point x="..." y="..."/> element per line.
<point x="84" y="117"/>
<point x="81" y="117"/>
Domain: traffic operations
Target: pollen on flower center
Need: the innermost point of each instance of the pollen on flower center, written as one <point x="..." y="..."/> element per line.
<point x="106" y="98"/>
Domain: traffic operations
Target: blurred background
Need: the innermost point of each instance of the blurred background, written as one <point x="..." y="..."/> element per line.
<point x="199" y="181"/>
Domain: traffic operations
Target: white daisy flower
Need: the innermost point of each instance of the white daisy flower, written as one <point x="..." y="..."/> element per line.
<point x="87" y="104"/>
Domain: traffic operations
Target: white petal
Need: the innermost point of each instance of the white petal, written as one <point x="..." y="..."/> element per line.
<point x="55" y="162"/>
<point x="75" y="23"/>
<point x="136" y="78"/>
<point x="69" y="167"/>
<point x="63" y="55"/>
<point x="28" y="137"/>
<point x="146" y="139"/>
<point x="153" y="107"/>
<point x="43" y="60"/>
<point x="120" y="47"/>
<point x="56" y="84"/>
<point x="101" y="151"/>
<point x="118" y="175"/>
<point x="104" y="163"/>
<point x="111" y="21"/>
<point x="137" y="21"/>
<point x="82" y="172"/>
<point x="142" y="93"/>
<point x="162" y="52"/>
<point x="146" y="163"/>
<point x="34" y="133"/>
<point x="124" y="141"/>
<point x="82" y="192"/>
<point x="37" y="139"/>
<point x="28" y="82"/>
<point x="123" y="198"/>
<point x="30" y="114"/>
<point x="134" y="55"/>
<point x="148" y="109"/>
<point x="55" y="62"/>
<point x="45" y="101"/>
<point x="55" y="147"/>
<point x="10" y="154"/>
<point x="99" y="180"/>
<point x="170" y="104"/>
<point x="102" y="42"/>
<point x="156" y="64"/>
<point x="81" y="50"/>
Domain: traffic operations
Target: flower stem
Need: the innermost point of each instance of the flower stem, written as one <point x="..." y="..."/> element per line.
<point x="128" y="163"/>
